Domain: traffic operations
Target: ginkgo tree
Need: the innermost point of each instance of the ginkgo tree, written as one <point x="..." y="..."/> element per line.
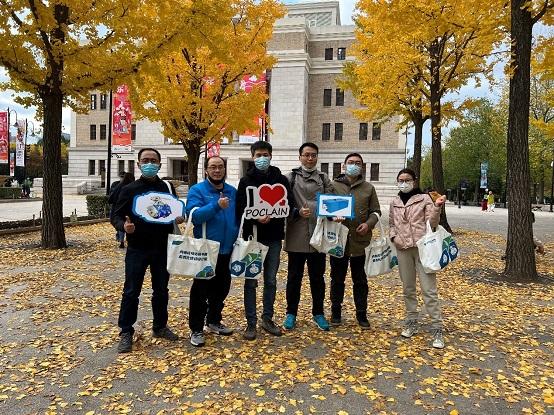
<point x="56" y="52"/>
<point x="195" y="90"/>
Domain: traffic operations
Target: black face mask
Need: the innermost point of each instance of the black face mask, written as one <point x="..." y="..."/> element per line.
<point x="216" y="182"/>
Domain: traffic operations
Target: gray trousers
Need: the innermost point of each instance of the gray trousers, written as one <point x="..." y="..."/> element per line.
<point x="408" y="263"/>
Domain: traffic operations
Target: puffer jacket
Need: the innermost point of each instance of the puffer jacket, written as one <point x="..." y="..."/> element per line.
<point x="407" y="223"/>
<point x="306" y="187"/>
<point x="365" y="203"/>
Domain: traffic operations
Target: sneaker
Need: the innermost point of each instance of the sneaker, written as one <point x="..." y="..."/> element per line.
<point x="364" y="324"/>
<point x="438" y="339"/>
<point x="250" y="332"/>
<point x="197" y="339"/>
<point x="335" y="319"/>
<point x="410" y="329"/>
<point x="290" y="322"/>
<point x="272" y="328"/>
<point x="125" y="343"/>
<point x="321" y="322"/>
<point x="122" y="245"/>
<point x="165" y="333"/>
<point x="219" y="328"/>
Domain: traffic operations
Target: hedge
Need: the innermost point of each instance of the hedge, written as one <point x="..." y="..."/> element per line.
<point x="10" y="192"/>
<point x="97" y="205"/>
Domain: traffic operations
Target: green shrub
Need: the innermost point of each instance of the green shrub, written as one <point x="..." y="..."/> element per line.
<point x="97" y="205"/>
<point x="10" y="192"/>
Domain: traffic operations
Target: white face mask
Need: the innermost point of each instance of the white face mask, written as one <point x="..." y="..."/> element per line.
<point x="406" y="187"/>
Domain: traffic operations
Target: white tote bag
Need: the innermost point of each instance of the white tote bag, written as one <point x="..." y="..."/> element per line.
<point x="380" y="254"/>
<point x="187" y="255"/>
<point x="436" y="249"/>
<point x="329" y="237"/>
<point x="247" y="258"/>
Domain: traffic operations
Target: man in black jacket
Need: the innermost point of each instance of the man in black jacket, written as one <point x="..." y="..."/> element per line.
<point x="146" y="246"/>
<point x="270" y="231"/>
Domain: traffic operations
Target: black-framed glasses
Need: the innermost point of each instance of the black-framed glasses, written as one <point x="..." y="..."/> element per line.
<point x="309" y="155"/>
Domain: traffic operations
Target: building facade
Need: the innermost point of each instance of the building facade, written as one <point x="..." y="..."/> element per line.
<point x="305" y="104"/>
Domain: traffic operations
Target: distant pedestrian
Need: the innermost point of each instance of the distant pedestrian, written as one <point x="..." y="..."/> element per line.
<point x="126" y="178"/>
<point x="484" y="203"/>
<point x="490" y="201"/>
<point x="408" y="216"/>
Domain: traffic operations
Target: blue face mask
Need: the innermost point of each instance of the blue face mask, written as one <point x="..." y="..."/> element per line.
<point x="149" y="169"/>
<point x="262" y="163"/>
<point x="353" y="170"/>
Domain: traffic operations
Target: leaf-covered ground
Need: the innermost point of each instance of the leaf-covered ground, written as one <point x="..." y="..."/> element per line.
<point x="58" y="319"/>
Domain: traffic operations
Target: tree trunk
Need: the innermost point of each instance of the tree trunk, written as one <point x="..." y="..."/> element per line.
<point x="520" y="256"/>
<point x="193" y="157"/>
<point x="418" y="139"/>
<point x="53" y="234"/>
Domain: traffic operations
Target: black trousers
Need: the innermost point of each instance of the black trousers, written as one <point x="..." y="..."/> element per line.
<point x="316" y="269"/>
<point x="207" y="296"/>
<point x="136" y="262"/>
<point x="339" y="267"/>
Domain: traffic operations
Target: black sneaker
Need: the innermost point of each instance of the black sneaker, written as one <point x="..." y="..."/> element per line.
<point x="335" y="319"/>
<point x="272" y="328"/>
<point x="122" y="245"/>
<point x="250" y="332"/>
<point x="125" y="343"/>
<point x="364" y="324"/>
<point x="165" y="333"/>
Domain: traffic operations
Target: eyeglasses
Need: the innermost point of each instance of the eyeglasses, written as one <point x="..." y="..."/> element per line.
<point x="213" y="168"/>
<point x="400" y="181"/>
<point x="309" y="155"/>
<point x="146" y="161"/>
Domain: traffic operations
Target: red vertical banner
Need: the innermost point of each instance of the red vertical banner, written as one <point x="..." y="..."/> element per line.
<point x="248" y="83"/>
<point x="122" y="129"/>
<point x="20" y="145"/>
<point x="214" y="149"/>
<point x="4" y="138"/>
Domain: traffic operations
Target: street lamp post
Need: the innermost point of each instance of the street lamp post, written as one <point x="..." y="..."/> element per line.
<point x="552" y="184"/>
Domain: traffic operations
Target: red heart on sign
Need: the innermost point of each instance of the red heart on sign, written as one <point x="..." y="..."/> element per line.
<point x="272" y="193"/>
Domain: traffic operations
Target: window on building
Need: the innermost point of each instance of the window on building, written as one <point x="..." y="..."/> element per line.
<point x="326" y="132"/>
<point x="363" y="131"/>
<point x="131" y="166"/>
<point x="93" y="102"/>
<point x="336" y="170"/>
<point x="103" y="101"/>
<point x="101" y="166"/>
<point x="339" y="97"/>
<point x="328" y="54"/>
<point x="376" y="131"/>
<point x="338" y="131"/>
<point x="374" y="172"/>
<point x="120" y="166"/>
<point x="325" y="168"/>
<point x="133" y="132"/>
<point x="91" y="167"/>
<point x="93" y="132"/>
<point x="364" y="170"/>
<point x="341" y="54"/>
<point x="327" y="97"/>
<point x="103" y="130"/>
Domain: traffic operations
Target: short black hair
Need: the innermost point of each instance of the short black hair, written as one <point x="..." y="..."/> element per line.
<point x="353" y="155"/>
<point x="261" y="145"/>
<point x="150" y="149"/>
<point x="407" y="171"/>
<point x="121" y="173"/>
<point x="207" y="160"/>
<point x="311" y="145"/>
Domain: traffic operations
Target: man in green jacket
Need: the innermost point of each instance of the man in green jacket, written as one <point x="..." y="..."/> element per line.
<point x="360" y="226"/>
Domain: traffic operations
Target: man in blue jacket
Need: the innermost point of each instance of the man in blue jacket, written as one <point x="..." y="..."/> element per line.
<point x="215" y="201"/>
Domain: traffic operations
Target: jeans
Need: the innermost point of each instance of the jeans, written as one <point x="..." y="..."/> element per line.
<point x="136" y="262"/>
<point x="271" y="266"/>
<point x="408" y="264"/>
<point x="120" y="236"/>
<point x="207" y="296"/>
<point x="316" y="269"/>
<point x="339" y="267"/>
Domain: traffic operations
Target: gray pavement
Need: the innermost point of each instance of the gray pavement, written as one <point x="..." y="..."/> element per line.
<point x="17" y="210"/>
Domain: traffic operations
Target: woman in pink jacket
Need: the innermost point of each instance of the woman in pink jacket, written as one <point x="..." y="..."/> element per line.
<point x="408" y="214"/>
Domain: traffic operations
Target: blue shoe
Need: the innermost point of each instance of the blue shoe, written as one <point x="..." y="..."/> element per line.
<point x="290" y="322"/>
<point x="321" y="322"/>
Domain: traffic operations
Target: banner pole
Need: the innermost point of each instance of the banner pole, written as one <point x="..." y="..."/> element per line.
<point x="109" y="166"/>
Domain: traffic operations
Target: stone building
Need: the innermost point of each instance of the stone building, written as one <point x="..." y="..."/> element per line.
<point x="305" y="104"/>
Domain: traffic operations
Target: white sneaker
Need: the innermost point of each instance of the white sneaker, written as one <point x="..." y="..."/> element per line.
<point x="438" y="339"/>
<point x="410" y="329"/>
<point x="197" y="339"/>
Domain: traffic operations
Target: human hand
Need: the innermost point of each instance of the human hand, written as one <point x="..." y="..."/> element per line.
<point x="305" y="211"/>
<point x="223" y="201"/>
<point x="179" y="220"/>
<point x="338" y="219"/>
<point x="363" y="229"/>
<point x="440" y="201"/>
<point x="128" y="227"/>
<point x="264" y="220"/>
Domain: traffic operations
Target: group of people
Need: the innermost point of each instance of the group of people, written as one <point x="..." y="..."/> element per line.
<point x="221" y="207"/>
<point x="487" y="205"/>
